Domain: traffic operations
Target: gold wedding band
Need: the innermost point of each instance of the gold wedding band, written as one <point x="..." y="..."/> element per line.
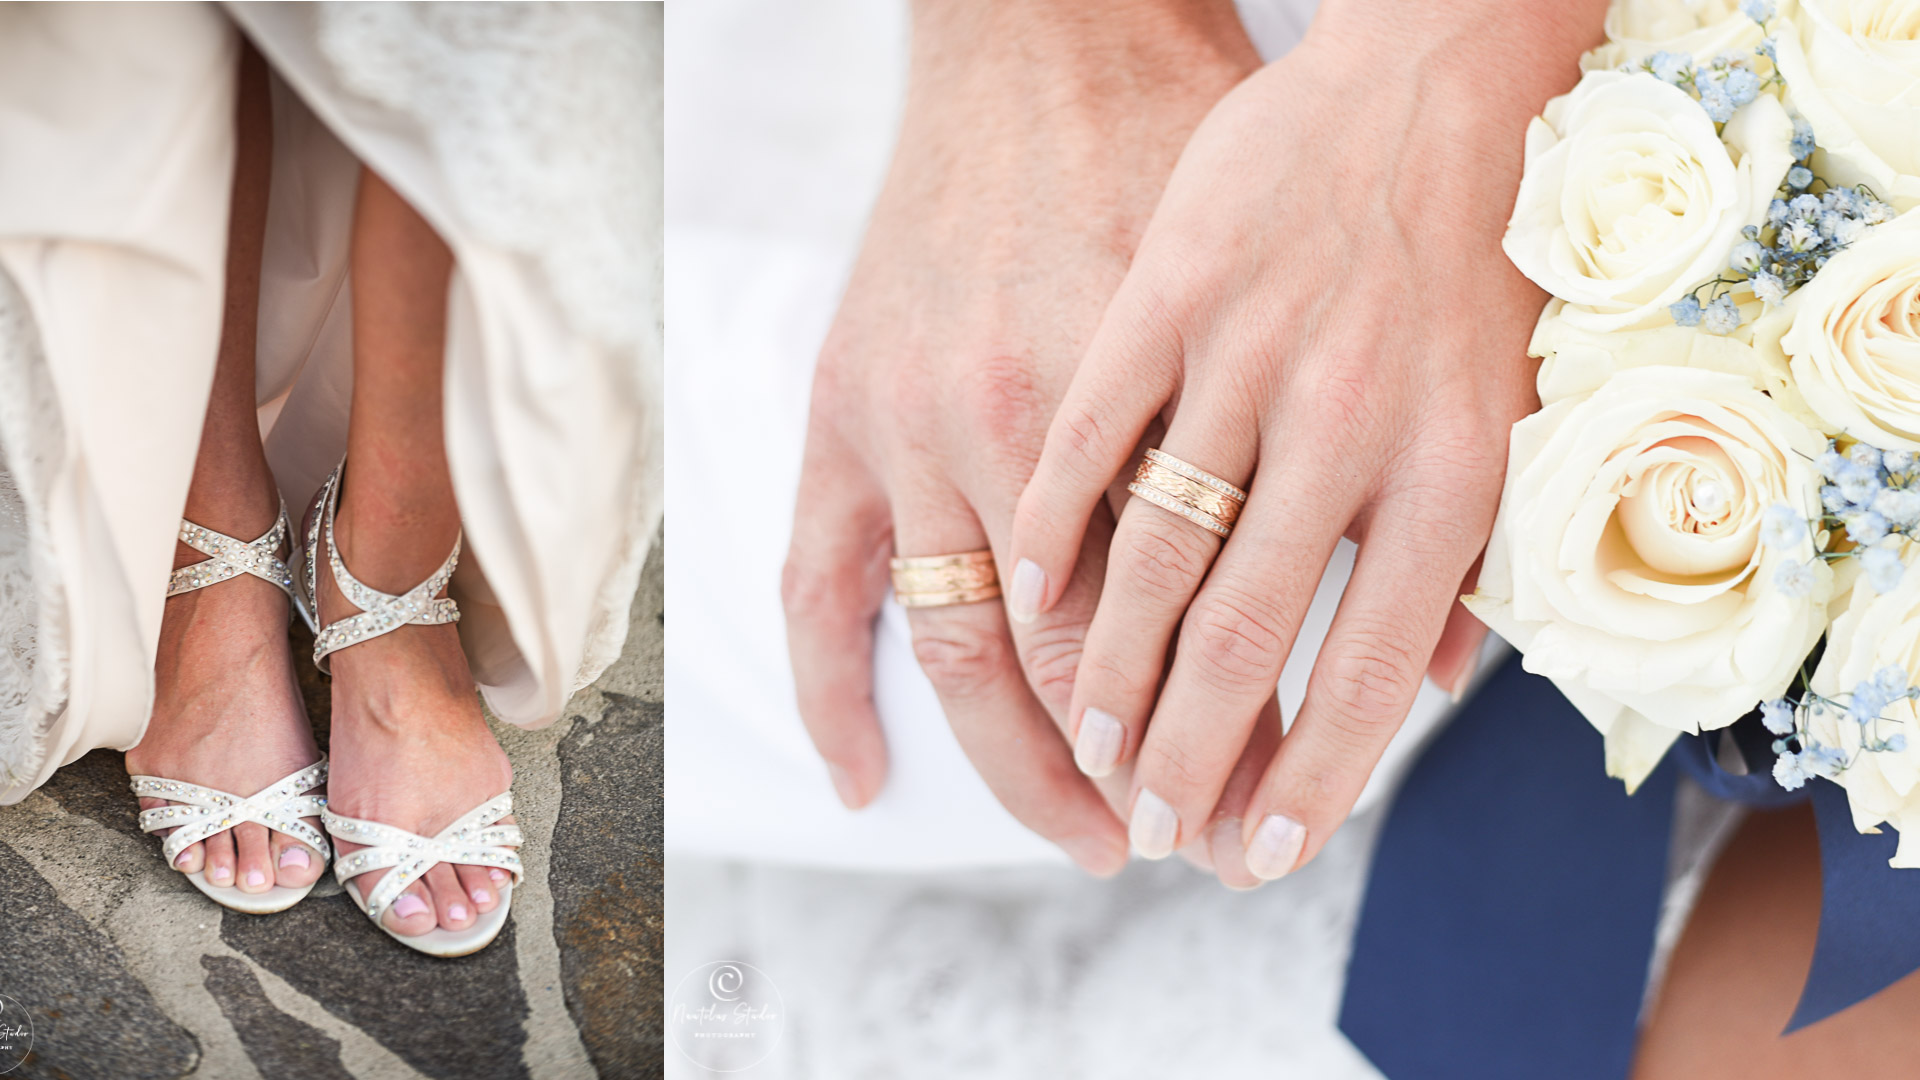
<point x="1193" y="493"/>
<point x="940" y="580"/>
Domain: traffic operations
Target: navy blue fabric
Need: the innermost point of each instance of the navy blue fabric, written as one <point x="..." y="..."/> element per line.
<point x="1869" y="913"/>
<point x="1509" y="918"/>
<point x="1509" y="873"/>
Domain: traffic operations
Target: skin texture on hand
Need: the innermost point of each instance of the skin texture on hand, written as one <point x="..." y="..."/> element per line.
<point x="1319" y="312"/>
<point x="1038" y="135"/>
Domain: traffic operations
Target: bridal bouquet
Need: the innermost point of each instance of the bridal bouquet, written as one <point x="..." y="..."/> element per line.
<point x="1717" y="508"/>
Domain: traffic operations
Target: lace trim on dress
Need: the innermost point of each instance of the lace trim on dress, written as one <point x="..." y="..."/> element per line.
<point x="545" y="118"/>
<point x="33" y="646"/>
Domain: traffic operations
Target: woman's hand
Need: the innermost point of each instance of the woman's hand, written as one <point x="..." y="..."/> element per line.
<point x="1321" y="312"/>
<point x="1038" y="136"/>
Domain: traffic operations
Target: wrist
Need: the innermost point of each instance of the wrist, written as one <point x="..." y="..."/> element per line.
<point x="1075" y="57"/>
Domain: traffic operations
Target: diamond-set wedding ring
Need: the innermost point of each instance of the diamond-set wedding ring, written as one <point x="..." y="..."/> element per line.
<point x="1193" y="493"/>
<point x="924" y="581"/>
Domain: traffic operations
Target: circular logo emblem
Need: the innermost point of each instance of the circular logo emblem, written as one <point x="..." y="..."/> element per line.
<point x="16" y="1034"/>
<point x="726" y="1016"/>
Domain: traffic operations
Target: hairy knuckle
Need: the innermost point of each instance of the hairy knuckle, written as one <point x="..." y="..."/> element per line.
<point x="1002" y="400"/>
<point x="1162" y="560"/>
<point x="960" y="660"/>
<point x="1235" y="641"/>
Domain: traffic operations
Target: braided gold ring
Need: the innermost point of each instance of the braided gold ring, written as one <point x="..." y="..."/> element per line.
<point x="924" y="581"/>
<point x="1193" y="493"/>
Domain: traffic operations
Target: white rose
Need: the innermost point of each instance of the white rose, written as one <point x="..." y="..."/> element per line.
<point x="1626" y="562"/>
<point x="1874" y="632"/>
<point x="1853" y="71"/>
<point x="1575" y="362"/>
<point x="1703" y="29"/>
<point x="1630" y="198"/>
<point x="1849" y="340"/>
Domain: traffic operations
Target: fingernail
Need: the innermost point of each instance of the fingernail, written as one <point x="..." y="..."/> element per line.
<point x="256" y="879"/>
<point x="1154" y="827"/>
<point x="408" y="906"/>
<point x="295" y="856"/>
<point x="843" y="786"/>
<point x="498" y="876"/>
<point x="482" y="896"/>
<point x="185" y="857"/>
<point x="456" y="912"/>
<point x="1229" y="854"/>
<point x="1097" y="748"/>
<point x="1028" y="589"/>
<point x="1465" y="680"/>
<point x="1275" y="847"/>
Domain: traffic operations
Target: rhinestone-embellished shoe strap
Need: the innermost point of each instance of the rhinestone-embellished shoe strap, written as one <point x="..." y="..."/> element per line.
<point x="380" y="613"/>
<point x="477" y="839"/>
<point x="208" y="811"/>
<point x="228" y="557"/>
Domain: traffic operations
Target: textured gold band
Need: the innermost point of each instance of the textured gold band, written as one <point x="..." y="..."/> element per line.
<point x="1193" y="493"/>
<point x="940" y="580"/>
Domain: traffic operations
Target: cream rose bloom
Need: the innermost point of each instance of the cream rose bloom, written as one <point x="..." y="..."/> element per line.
<point x="1853" y="70"/>
<point x="1849" y="340"/>
<point x="1636" y="29"/>
<point x="1630" y="198"/>
<point x="1626" y="563"/>
<point x="1876" y="631"/>
<point x="1576" y="362"/>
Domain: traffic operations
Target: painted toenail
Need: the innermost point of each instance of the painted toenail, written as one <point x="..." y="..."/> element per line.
<point x="497" y="875"/>
<point x="220" y="875"/>
<point x="297" y="857"/>
<point x="256" y="878"/>
<point x="456" y="912"/>
<point x="408" y="906"/>
<point x="185" y="858"/>
<point x="482" y="896"/>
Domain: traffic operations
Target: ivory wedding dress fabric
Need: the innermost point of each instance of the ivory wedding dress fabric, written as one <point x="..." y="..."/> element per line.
<point x="527" y="135"/>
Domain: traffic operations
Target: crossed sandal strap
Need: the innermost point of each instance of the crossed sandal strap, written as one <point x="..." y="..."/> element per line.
<point x="477" y="839"/>
<point x="208" y="811"/>
<point x="228" y="557"/>
<point x="380" y="613"/>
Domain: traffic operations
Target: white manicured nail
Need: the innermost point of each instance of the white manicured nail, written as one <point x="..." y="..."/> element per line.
<point x="408" y="906"/>
<point x="1228" y="853"/>
<point x="1154" y="829"/>
<point x="1275" y="847"/>
<point x="1460" y="685"/>
<point x="843" y="786"/>
<point x="1028" y="589"/>
<point x="1097" y="748"/>
<point x="294" y="856"/>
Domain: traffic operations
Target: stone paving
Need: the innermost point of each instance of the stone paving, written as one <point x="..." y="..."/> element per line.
<point x="128" y="973"/>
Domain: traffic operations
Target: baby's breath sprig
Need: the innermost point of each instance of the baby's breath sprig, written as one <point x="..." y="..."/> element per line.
<point x="1802" y="756"/>
<point x="1872" y="497"/>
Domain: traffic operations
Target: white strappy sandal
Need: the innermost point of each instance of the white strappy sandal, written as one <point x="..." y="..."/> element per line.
<point x="207" y="811"/>
<point x="478" y="838"/>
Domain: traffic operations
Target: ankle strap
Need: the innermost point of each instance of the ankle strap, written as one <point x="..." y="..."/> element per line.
<point x="228" y="557"/>
<point x="380" y="613"/>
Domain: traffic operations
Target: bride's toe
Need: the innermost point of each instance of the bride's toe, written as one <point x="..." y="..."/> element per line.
<point x="220" y="860"/>
<point x="295" y="866"/>
<point x="411" y="913"/>
<point x="253" y="863"/>
<point x="479" y="887"/>
<point x="450" y="901"/>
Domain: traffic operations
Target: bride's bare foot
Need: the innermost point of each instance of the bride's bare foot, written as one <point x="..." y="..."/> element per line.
<point x="227" y="714"/>
<point x="410" y="746"/>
